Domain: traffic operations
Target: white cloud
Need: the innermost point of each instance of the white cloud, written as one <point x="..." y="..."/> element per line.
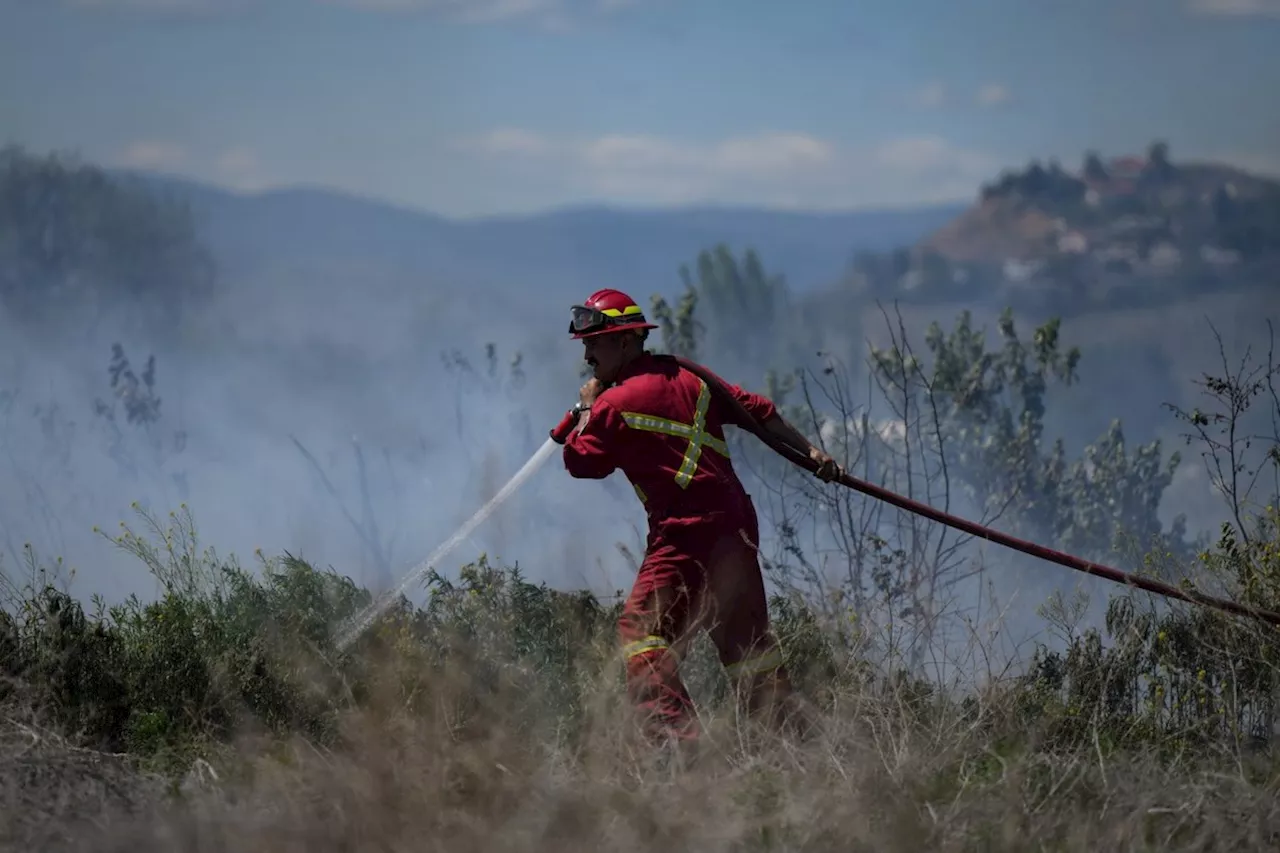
<point x="474" y="11"/>
<point x="766" y="154"/>
<point x="926" y="155"/>
<point x="935" y="94"/>
<point x="550" y="15"/>
<point x="1236" y="8"/>
<point x="145" y="5"/>
<point x="618" y="153"/>
<point x="556" y="14"/>
<point x="930" y="96"/>
<point x="769" y="153"/>
<point x="190" y="9"/>
<point x="478" y="10"/>
<point x="774" y="153"/>
<point x="237" y="167"/>
<point x="993" y="95"/>
<point x="153" y="154"/>
<point x="782" y="168"/>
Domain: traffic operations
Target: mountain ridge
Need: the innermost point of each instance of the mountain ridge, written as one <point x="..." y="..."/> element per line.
<point x="559" y="251"/>
<point x="1045" y="236"/>
<point x="164" y="180"/>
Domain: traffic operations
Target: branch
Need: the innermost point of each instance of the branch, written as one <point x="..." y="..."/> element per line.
<point x="370" y="522"/>
<point x="364" y="535"/>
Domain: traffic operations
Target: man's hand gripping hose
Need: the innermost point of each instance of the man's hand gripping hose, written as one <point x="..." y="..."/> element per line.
<point x="561" y="432"/>
<point x="801" y="459"/>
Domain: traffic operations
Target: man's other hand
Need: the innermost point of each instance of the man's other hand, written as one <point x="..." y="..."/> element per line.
<point x="828" y="469"/>
<point x="587" y="393"/>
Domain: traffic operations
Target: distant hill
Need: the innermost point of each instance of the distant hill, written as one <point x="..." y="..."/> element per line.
<point x="1125" y="214"/>
<point x="561" y="253"/>
<point x="1117" y="234"/>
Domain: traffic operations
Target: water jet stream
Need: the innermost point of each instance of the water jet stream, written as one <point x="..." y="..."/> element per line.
<point x="362" y="621"/>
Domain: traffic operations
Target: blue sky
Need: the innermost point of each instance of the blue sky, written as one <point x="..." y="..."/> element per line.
<point x="468" y="107"/>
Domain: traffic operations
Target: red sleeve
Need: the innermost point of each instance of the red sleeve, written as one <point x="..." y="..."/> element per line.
<point x="758" y="406"/>
<point x="592" y="453"/>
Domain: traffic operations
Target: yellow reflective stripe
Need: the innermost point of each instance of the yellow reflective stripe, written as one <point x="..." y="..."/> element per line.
<point x="646" y="644"/>
<point x="757" y="665"/>
<point x="649" y="423"/>
<point x="696" y="433"/>
<point x="693" y="452"/>
<point x="640" y="493"/>
<point x="621" y="312"/>
<point x="652" y="424"/>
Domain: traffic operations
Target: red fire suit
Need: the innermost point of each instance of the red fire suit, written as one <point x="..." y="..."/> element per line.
<point x="660" y="425"/>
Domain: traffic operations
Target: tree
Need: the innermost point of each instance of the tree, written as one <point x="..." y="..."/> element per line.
<point x="1189" y="672"/>
<point x="1158" y="157"/>
<point x="1093" y="168"/>
<point x="74" y="238"/>
<point x="964" y="416"/>
<point x="680" y="328"/>
<point x="1158" y="169"/>
<point x="1237" y="460"/>
<point x="743" y="312"/>
<point x="1223" y="207"/>
<point x="993" y="405"/>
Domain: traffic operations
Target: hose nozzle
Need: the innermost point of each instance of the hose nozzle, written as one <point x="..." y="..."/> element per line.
<point x="560" y="434"/>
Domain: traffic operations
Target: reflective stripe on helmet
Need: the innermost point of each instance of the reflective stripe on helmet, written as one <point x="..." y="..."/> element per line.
<point x="607" y="310"/>
<point x="620" y="312"/>
<point x="696" y="434"/>
<point x="586" y="318"/>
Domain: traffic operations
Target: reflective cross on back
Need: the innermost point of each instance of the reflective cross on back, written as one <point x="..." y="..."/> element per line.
<point x="696" y="434"/>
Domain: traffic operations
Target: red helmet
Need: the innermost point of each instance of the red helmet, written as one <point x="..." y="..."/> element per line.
<point x="607" y="311"/>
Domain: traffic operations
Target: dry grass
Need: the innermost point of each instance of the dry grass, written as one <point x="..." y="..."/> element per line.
<point x="493" y="718"/>
<point x="441" y="772"/>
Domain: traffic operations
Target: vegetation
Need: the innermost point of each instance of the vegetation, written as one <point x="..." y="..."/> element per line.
<point x="74" y="238"/>
<point x="222" y="713"/>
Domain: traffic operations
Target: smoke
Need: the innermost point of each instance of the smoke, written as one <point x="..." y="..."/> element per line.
<point x="346" y="407"/>
<point x="354" y="425"/>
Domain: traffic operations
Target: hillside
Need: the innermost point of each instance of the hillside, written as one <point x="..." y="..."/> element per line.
<point x="1040" y="238"/>
<point x="562" y="253"/>
<point x="1126" y="233"/>
<point x="1126" y="214"/>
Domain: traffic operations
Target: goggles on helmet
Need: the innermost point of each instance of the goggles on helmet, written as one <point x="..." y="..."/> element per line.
<point x="584" y="319"/>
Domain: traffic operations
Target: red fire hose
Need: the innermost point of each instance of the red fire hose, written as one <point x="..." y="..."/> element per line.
<point x="973" y="528"/>
<point x="801" y="459"/>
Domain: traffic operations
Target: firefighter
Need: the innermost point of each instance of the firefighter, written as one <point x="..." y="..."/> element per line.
<point x="660" y="425"/>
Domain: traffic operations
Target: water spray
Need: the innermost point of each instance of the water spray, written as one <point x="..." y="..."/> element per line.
<point x="362" y="621"/>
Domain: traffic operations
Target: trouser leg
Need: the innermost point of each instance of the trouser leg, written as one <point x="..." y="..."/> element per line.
<point x="737" y="617"/>
<point x="651" y="629"/>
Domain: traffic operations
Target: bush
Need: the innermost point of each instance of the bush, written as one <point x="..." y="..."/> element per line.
<point x="497" y="694"/>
